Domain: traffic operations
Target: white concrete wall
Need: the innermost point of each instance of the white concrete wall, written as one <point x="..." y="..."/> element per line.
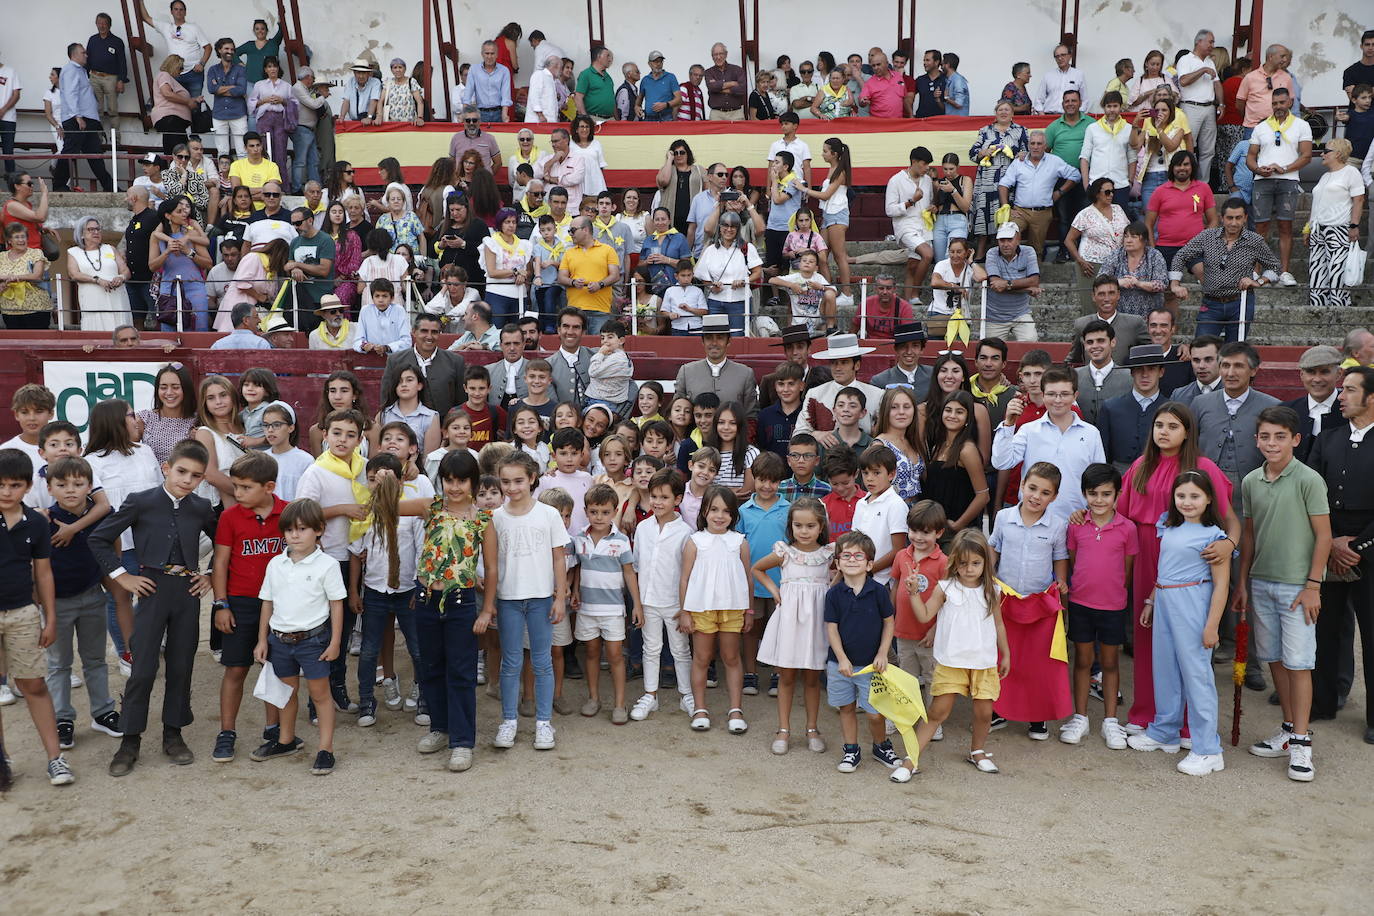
<point x="989" y="35"/>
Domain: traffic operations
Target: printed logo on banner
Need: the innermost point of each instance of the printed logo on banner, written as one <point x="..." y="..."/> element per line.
<point x="79" y="386"/>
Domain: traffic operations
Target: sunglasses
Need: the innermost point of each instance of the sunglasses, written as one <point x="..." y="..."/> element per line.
<point x="348" y="171"/>
<point x="720" y="174"/>
<point x="181" y="156"/>
<point x="807" y="70"/>
<point x="298" y="222"/>
<point x="271" y="194"/>
<point x="679" y="152"/>
<point x="471" y="121"/>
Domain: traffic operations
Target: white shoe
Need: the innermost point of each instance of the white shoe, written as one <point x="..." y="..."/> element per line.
<point x="76" y="680"/>
<point x="1133" y="729"/>
<point x="392" y="693"/>
<point x="1276" y="745"/>
<point x="939" y="733"/>
<point x="7" y="697"/>
<point x="432" y="742"/>
<point x="688" y="703"/>
<point x="125" y="668"/>
<point x="844" y="301"/>
<point x="505" y="733"/>
<point x="1143" y="742"/>
<point x="412" y="701"/>
<point x="644" y="707"/>
<point x="1300" y="759"/>
<point x="1201" y="764"/>
<point x="543" y="736"/>
<point x="367" y="719"/>
<point x="1185" y="743"/>
<point x="379" y="675"/>
<point x="735" y="724"/>
<point x="889" y="728"/>
<point x="1287" y="279"/>
<point x="1114" y="734"/>
<point x="460" y="759"/>
<point x="1072" y="731"/>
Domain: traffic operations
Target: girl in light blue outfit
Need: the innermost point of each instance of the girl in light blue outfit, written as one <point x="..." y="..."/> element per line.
<point x="1185" y="610"/>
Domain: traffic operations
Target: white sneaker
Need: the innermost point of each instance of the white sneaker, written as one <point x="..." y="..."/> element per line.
<point x="355" y="643"/>
<point x="1114" y="734"/>
<point x="644" y="707"/>
<point x="432" y="742"/>
<point x="688" y="704"/>
<point x="889" y="728"/>
<point x="844" y="301"/>
<point x="1072" y="731"/>
<point x="939" y="733"/>
<point x="1287" y="279"/>
<point x="1133" y="729"/>
<point x="7" y="697"/>
<point x="1300" y="759"/>
<point x="543" y="736"/>
<point x="1276" y="745"/>
<point x="460" y="759"/>
<point x="1143" y="742"/>
<point x="392" y="693"/>
<point x="1201" y="764"/>
<point x="505" y="733"/>
<point x="76" y="680"/>
<point x="126" y="667"/>
<point x="413" y="698"/>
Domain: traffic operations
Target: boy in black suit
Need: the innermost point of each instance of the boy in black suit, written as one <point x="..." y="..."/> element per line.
<point x="167" y="522"/>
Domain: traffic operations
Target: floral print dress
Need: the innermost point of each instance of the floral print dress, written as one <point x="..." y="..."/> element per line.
<point x="451" y="549"/>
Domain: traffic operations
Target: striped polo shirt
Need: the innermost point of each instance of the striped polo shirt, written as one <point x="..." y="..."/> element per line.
<point x="602" y="577"/>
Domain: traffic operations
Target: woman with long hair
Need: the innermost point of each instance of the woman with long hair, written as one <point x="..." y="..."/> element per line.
<point x="439" y="185"/>
<point x="173" y="414"/>
<point x="506" y="261"/>
<point x="952" y="204"/>
<point x="219" y="429"/>
<point x="465" y="168"/>
<point x="338" y="183"/>
<point x="679" y="180"/>
<point x="182" y="256"/>
<point x="389" y="171"/>
<point x="954" y="475"/>
<point x="348" y="255"/>
<point x="483" y="197"/>
<point x="949" y="374"/>
<point x="834" y="198"/>
<point x="253" y="280"/>
<point x="585" y="144"/>
<point x="460" y="240"/>
<point x="741" y="182"/>
<point x="237" y="211"/>
<point x="895" y="427"/>
<point x="1151" y="77"/>
<point x="341" y="391"/>
<point x="508" y="53"/>
<point x="1155" y="136"/>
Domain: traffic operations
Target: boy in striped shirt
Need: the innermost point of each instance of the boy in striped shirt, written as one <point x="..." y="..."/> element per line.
<point x="605" y="568"/>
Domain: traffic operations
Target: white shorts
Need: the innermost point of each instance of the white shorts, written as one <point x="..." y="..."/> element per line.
<point x="562" y="634"/>
<point x="608" y="628"/>
<point x="911" y="239"/>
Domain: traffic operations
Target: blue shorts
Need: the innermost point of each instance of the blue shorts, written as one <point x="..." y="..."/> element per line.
<point x="299" y="658"/>
<point x="1282" y="635"/>
<point x="842" y="691"/>
<point x="835" y="219"/>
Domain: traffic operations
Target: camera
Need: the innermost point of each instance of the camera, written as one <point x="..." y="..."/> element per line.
<point x="727" y="196"/>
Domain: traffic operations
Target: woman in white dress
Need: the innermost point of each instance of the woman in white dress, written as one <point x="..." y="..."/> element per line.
<point x="585" y="144"/>
<point x="100" y="273"/>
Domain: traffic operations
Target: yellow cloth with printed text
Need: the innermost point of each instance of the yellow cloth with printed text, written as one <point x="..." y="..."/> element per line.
<point x="896" y="696"/>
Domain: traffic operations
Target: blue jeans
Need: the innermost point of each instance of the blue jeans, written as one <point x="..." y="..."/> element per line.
<point x="489" y="115"/>
<point x="305" y="158"/>
<point x="448" y="662"/>
<point x="549" y="300"/>
<point x="734" y="309"/>
<point x="1183" y="678"/>
<point x="515" y="618"/>
<point x="503" y="308"/>
<point x="594" y="321"/>
<point x="338" y="668"/>
<point x="949" y="226"/>
<point x="131" y="564"/>
<point x="1223" y="318"/>
<point x="194" y="81"/>
<point x="1148" y="184"/>
<point x="378" y="607"/>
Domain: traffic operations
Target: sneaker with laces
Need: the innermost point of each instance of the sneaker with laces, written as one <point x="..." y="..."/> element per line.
<point x="1143" y="742"/>
<point x="323" y="765"/>
<point x="884" y="754"/>
<point x="7" y="697"/>
<point x="1300" y="758"/>
<point x="1287" y="279"/>
<point x="1276" y="745"/>
<point x="412" y="700"/>
<point x="341" y="701"/>
<point x="66" y="734"/>
<point x="481" y="667"/>
<point x="432" y="742"/>
<point x="271" y="750"/>
<point x="108" y="724"/>
<point x="1072" y="731"/>
<point x="224" y="746"/>
<point x="422" y="714"/>
<point x="1201" y="764"/>
<point x="392" y="692"/>
<point x="1114" y="734"/>
<point x="59" y="773"/>
<point x="505" y="733"/>
<point x="773" y="684"/>
<point x="751" y="685"/>
<point x="355" y="643"/>
<point x="460" y="759"/>
<point x="849" y="760"/>
<point x="644" y="707"/>
<point x="543" y="736"/>
<point x="367" y="713"/>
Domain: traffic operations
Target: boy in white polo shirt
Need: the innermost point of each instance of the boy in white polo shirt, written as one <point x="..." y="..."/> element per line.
<point x="882" y="513"/>
<point x="300" y="627"/>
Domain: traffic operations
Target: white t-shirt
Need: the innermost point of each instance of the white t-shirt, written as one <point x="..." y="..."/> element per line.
<point x="965" y="633"/>
<point x="442" y="305"/>
<point x="185" y="40"/>
<point x="40" y="497"/>
<point x="798" y="148"/>
<point x="940" y="303"/>
<point x="291" y="465"/>
<point x="30" y="450"/>
<point x="797" y="93"/>
<point x="880" y="518"/>
<point x="1285" y="152"/>
<point x="409" y="533"/>
<point x="526" y="558"/>
<point x="1201" y="89"/>
<point x="9" y="85"/>
<point x="721" y="265"/>
<point x="674" y="297"/>
<point x="300" y="592"/>
<point x="1334" y="195"/>
<point x="329" y="489"/>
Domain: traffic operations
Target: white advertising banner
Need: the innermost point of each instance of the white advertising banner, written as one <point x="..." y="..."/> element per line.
<point x="79" y="386"/>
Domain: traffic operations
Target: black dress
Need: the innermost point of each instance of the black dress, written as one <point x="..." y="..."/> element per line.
<point x="948" y="486"/>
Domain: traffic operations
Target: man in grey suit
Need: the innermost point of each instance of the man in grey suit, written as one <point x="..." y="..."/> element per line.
<point x="1101" y="379"/>
<point x="729" y="380"/>
<point x="1130" y="329"/>
<point x="1202" y="353"/>
<point x="508" y="373"/>
<point x="571" y="362"/>
<point x="908" y="340"/>
<point x="442" y="369"/>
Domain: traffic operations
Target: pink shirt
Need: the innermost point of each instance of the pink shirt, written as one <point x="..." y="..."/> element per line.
<point x="886" y="95"/>
<point x="1258" y="95"/>
<point x="1099" y="571"/>
<point x="881" y="322"/>
<point x="1180" y="215"/>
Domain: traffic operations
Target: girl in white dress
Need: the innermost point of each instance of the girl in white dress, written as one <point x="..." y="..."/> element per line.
<point x="795" y="639"/>
<point x="716" y="601"/>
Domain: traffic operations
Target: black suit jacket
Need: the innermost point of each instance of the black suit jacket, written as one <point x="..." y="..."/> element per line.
<point x="1333" y="418"/>
<point x="1125" y="427"/>
<point x="443" y="381"/>
<point x="153" y="518"/>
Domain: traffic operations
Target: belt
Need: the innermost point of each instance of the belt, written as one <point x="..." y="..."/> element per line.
<point x="1019" y="207"/>
<point x="172" y="570"/>
<point x="1201" y="104"/>
<point x="300" y="635"/>
<point x="1182" y="584"/>
<point x="718" y="108"/>
<point x="100" y="73"/>
<point x="489" y="108"/>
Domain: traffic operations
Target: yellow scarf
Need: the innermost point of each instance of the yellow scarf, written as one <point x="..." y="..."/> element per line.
<point x="562" y="223"/>
<point x="660" y="236"/>
<point x="534" y="154"/>
<point x="1180" y="122"/>
<point x="1273" y="122"/>
<point x="350" y="471"/>
<point x="556" y="252"/>
<point x="835" y="94"/>
<point x="336" y="342"/>
<point x="991" y="394"/>
<point x="604" y="228"/>
<point x="512" y="248"/>
<point x="1107" y="126"/>
<point x="537" y="212"/>
<point x="787" y="179"/>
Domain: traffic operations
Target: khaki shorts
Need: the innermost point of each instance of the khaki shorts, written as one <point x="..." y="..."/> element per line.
<point x="20" y="654"/>
<point x="915" y="659"/>
<point x="718" y="621"/>
<point x="980" y="683"/>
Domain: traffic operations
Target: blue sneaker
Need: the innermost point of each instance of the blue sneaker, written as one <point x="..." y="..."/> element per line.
<point x="224" y="746"/>
<point x="884" y="754"/>
<point x="849" y="761"/>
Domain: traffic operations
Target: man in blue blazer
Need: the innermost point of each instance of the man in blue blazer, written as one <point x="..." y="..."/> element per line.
<point x="1125" y="421"/>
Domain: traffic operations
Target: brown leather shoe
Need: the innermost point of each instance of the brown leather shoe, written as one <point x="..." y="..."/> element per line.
<point x="122" y="763"/>
<point x="176" y="749"/>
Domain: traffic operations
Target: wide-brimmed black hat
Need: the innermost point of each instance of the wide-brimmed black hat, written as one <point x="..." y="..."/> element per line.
<point x="795" y="333"/>
<point x="1146" y="355"/>
<point x="909" y="332"/>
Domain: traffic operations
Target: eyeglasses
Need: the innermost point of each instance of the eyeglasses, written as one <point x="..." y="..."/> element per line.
<point x="271" y="194"/>
<point x="526" y="139"/>
<point x="679" y="152"/>
<point x="853" y="555"/>
<point x="807" y="70"/>
<point x="720" y="174"/>
<point x="348" y="171"/>
<point x="801" y="456"/>
<point x="275" y="425"/>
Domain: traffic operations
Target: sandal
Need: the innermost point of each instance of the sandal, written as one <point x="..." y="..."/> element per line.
<point x="701" y="720"/>
<point x="984" y="762"/>
<point x="736" y="723"/>
<point x="814" y="741"/>
<point x="780" y="742"/>
<point x="903" y="773"/>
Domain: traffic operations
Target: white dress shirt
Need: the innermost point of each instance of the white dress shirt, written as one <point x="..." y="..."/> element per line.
<point x="1107" y="154"/>
<point x="543" y="97"/>
<point x="1100" y="375"/>
<point x="1049" y="98"/>
<point x="658" y="560"/>
<point x="1233" y="405"/>
<point x="1071" y="450"/>
<point x="1319" y="409"/>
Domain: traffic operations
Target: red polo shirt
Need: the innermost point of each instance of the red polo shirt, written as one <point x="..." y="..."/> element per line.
<point x="252" y="541"/>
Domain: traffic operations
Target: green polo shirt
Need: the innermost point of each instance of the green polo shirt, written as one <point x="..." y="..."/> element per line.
<point x="1066" y="141"/>
<point x="599" y="92"/>
<point x="1281" y="509"/>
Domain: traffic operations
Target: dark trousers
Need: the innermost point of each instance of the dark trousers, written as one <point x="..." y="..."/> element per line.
<point x="76" y="140"/>
<point x="173" y="612"/>
<point x="378" y="609"/>
<point x="448" y="662"/>
<point x="1338" y="600"/>
<point x="338" y="668"/>
<point x="141" y="301"/>
<point x="7" y="144"/>
<point x="1065" y="209"/>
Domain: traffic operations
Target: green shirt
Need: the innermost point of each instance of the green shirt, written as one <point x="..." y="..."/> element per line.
<point x="1281" y="509"/>
<point x="599" y="92"/>
<point x="319" y="247"/>
<point x="1066" y="141"/>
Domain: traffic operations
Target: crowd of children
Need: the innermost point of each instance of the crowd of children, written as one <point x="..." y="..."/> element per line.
<point x="671" y="546"/>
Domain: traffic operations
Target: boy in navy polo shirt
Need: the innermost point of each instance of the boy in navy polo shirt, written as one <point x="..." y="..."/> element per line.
<point x="777" y="420"/>
<point x="247" y="537"/>
<point x="26" y="629"/>
<point x="80" y="603"/>
<point x="858" y="624"/>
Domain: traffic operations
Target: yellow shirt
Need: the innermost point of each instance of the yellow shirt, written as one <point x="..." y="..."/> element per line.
<point x="592" y="265"/>
<point x="254" y="176"/>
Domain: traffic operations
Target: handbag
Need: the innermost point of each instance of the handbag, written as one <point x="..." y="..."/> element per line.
<point x="50" y="244"/>
<point x="1353" y="275"/>
<point x="166" y="307"/>
<point x="202" y="120"/>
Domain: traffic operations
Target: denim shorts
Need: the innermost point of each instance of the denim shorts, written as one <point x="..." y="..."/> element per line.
<point x="1282" y="635"/>
<point x="236" y="648"/>
<point x="299" y="658"/>
<point x="842" y="691"/>
<point x="835" y="219"/>
<point x="1275" y="198"/>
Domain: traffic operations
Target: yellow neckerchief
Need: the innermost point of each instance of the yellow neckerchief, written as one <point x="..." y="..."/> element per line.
<point x="350" y="471"/>
<point x="1107" y="125"/>
<point x="1271" y="121"/>
<point x="336" y="342"/>
<point x="660" y="236"/>
<point x="991" y="394"/>
<point x="512" y="248"/>
<point x="837" y="94"/>
<point x="536" y="212"/>
<point x="557" y="251"/>
<point x="1179" y="122"/>
<point x="787" y="179"/>
<point x="534" y="154"/>
<point x="603" y="228"/>
<point x="560" y="223"/>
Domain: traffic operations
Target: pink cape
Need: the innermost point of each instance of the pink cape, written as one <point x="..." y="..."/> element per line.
<point x="1037" y="689"/>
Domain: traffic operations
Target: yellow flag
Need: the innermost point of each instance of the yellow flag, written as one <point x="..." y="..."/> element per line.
<point x="956" y="328"/>
<point x="1059" y="645"/>
<point x="1002" y="215"/>
<point x="896" y="695"/>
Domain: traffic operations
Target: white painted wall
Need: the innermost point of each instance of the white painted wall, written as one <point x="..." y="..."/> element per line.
<point x="989" y="35"/>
